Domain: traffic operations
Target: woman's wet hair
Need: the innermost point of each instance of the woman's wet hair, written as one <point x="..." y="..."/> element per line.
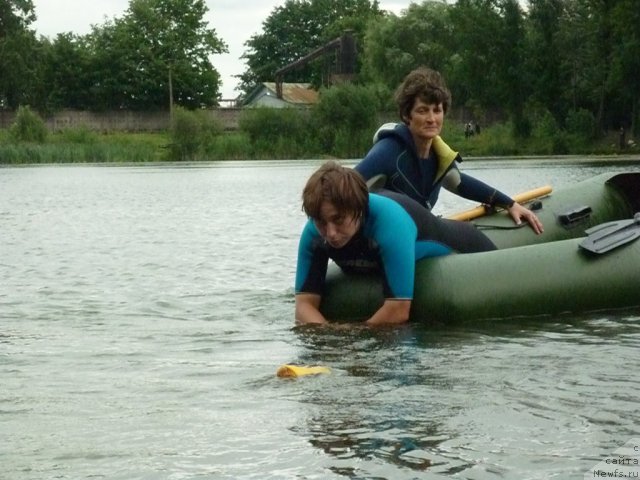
<point x="341" y="186"/>
<point x="424" y="84"/>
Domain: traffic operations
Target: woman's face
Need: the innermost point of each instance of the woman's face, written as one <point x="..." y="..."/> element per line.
<point x="335" y="227"/>
<point x="425" y="120"/>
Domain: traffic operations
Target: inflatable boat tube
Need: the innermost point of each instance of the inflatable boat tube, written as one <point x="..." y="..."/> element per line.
<point x="530" y="275"/>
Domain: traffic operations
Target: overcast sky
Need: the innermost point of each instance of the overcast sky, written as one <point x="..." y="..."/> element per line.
<point x="234" y="21"/>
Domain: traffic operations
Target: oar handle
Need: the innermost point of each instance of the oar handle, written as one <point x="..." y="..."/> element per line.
<point x="481" y="210"/>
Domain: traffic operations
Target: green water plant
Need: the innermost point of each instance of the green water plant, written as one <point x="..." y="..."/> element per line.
<point x="28" y="126"/>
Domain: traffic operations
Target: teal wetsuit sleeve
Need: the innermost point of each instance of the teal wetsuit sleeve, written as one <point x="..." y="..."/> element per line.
<point x="395" y="233"/>
<point x="311" y="267"/>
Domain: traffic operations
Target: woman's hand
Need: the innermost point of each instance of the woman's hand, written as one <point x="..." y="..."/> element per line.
<point x="392" y="312"/>
<point x="519" y="213"/>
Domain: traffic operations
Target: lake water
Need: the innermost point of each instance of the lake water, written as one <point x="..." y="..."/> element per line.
<point x="144" y="311"/>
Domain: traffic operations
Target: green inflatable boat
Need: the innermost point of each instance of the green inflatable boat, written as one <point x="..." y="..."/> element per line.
<point x="587" y="259"/>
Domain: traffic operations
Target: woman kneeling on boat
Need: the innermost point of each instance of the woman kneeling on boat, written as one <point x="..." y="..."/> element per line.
<point x="362" y="231"/>
<point x="414" y="160"/>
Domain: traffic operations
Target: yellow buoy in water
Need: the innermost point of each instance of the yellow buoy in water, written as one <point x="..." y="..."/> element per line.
<point x="288" y="371"/>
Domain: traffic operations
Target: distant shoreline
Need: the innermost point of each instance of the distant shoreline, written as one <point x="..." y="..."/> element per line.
<point x="631" y="158"/>
<point x="540" y="159"/>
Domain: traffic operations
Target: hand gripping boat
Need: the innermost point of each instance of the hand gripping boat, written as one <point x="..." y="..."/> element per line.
<point x="587" y="259"/>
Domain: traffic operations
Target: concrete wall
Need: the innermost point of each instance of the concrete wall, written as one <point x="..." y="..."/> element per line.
<point x="127" y="121"/>
<point x="157" y="121"/>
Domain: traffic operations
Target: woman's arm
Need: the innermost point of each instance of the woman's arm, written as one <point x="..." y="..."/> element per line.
<point x="308" y="309"/>
<point x="395" y="233"/>
<point x="473" y="189"/>
<point x="379" y="160"/>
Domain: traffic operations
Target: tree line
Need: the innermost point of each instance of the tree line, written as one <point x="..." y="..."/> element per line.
<point x="156" y="55"/>
<point x="569" y="64"/>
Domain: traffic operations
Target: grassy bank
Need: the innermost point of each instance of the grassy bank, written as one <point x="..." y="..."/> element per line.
<point x="498" y="141"/>
<point x="83" y="146"/>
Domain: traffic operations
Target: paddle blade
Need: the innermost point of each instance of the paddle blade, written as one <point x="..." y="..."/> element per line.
<point x="607" y="236"/>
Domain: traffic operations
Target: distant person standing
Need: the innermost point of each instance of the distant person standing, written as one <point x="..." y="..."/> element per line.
<point x="468" y="130"/>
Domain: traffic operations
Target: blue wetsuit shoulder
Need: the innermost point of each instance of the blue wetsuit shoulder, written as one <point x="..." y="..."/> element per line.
<point x="395" y="155"/>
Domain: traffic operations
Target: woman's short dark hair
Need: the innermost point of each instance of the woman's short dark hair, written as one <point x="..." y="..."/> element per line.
<point x="343" y="187"/>
<point x="425" y="84"/>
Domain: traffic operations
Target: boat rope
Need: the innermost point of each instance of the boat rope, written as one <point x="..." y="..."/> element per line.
<point x="501" y="227"/>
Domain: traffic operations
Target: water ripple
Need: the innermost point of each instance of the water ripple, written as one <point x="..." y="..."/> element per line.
<point x="144" y="312"/>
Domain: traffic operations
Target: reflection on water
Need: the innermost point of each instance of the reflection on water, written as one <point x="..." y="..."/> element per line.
<point x="145" y="311"/>
<point x="459" y="400"/>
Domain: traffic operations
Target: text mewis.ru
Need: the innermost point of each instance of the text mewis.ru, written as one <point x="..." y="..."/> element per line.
<point x="622" y="463"/>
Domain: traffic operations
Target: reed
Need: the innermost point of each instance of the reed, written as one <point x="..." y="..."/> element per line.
<point x="291" y="135"/>
<point x="85" y="147"/>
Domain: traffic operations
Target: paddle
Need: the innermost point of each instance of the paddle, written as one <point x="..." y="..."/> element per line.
<point x="481" y="210"/>
<point x="607" y="236"/>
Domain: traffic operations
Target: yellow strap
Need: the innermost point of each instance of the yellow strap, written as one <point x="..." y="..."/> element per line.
<point x="481" y="210"/>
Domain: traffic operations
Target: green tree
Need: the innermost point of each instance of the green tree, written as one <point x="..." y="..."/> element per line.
<point x="346" y="118"/>
<point x="297" y="28"/>
<point x="112" y="81"/>
<point x="191" y="133"/>
<point x="546" y="56"/>
<point x="175" y="36"/>
<point x="596" y="16"/>
<point x="67" y="73"/>
<point x="17" y="46"/>
<point x="576" y="33"/>
<point x="625" y="81"/>
<point x="511" y="74"/>
<point x="599" y="51"/>
<point x="28" y="127"/>
<point x="475" y="77"/>
<point x="395" y="45"/>
<point x="156" y="55"/>
<point x="15" y="15"/>
<point x="21" y="67"/>
<point x="279" y="132"/>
